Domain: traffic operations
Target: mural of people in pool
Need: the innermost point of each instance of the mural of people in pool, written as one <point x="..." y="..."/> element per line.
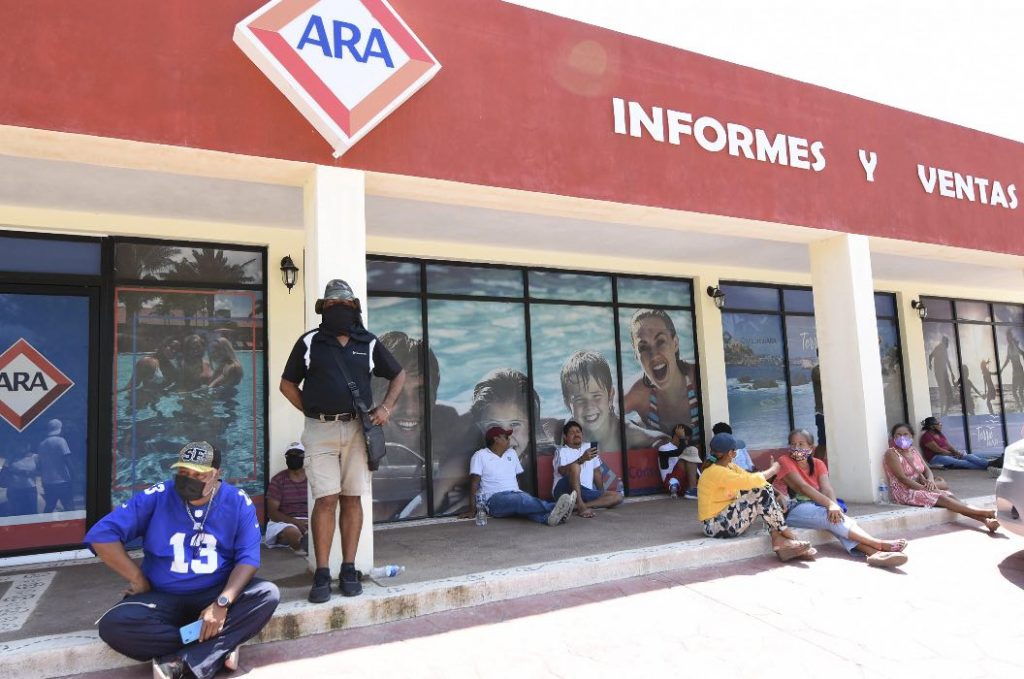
<point x="191" y="357"/>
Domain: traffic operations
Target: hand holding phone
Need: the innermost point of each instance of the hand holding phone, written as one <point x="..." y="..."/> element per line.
<point x="190" y="632"/>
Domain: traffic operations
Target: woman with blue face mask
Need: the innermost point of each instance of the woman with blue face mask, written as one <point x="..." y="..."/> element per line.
<point x="911" y="481"/>
<point x="813" y="504"/>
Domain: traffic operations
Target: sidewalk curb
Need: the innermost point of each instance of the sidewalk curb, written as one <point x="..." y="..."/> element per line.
<point x="63" y="654"/>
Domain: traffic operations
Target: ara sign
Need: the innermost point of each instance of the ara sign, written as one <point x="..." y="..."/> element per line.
<point x="345" y="64"/>
<point x="29" y="384"/>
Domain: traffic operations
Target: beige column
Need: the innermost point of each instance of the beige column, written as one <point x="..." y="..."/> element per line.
<point x="851" y="376"/>
<point x="713" y="382"/>
<point x="334" y="213"/>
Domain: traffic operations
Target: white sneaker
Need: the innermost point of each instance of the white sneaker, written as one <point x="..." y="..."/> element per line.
<point x="231" y="662"/>
<point x="563" y="509"/>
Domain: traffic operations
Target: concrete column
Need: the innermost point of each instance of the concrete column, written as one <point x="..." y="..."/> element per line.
<point x="334" y="214"/>
<point x="915" y="359"/>
<point x="851" y="375"/>
<point x="713" y="381"/>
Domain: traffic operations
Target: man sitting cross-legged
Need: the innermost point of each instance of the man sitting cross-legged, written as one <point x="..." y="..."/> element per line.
<point x="492" y="474"/>
<point x="578" y="471"/>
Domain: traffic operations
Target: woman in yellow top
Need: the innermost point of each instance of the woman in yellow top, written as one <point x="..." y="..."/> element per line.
<point x="729" y="499"/>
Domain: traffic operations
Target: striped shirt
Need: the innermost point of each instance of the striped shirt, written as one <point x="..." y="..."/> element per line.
<point x="292" y="495"/>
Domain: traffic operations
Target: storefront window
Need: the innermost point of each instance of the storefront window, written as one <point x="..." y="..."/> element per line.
<point x="771" y="357"/>
<point x="189" y="363"/>
<point x="976" y="373"/>
<point x="45" y="393"/>
<point x="487" y="351"/>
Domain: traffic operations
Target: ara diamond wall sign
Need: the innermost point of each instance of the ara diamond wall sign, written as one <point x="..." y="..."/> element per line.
<point x="29" y="384"/>
<point x="345" y="64"/>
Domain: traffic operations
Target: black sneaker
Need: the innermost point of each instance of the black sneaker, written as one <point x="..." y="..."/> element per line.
<point x="348" y="581"/>
<point x="320" y="592"/>
<point x="171" y="668"/>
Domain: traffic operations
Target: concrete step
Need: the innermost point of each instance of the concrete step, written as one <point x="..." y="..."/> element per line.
<point x="82" y="651"/>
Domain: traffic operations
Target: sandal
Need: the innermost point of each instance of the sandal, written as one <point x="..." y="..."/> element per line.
<point x="887" y="559"/>
<point x="809" y="555"/>
<point x="792" y="549"/>
<point x="992" y="525"/>
<point x="893" y="545"/>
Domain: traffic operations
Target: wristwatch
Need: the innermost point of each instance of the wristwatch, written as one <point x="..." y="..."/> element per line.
<point x="223" y="601"/>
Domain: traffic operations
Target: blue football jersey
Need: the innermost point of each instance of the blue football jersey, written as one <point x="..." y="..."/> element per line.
<point x="174" y="560"/>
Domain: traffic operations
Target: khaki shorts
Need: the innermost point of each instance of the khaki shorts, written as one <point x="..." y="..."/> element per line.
<point x="335" y="458"/>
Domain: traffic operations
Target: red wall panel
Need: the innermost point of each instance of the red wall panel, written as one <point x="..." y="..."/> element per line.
<point x="523" y="101"/>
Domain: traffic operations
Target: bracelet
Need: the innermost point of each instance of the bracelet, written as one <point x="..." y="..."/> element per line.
<point x="386" y="409"/>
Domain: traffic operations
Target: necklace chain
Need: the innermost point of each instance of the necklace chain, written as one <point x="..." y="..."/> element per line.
<point x="198" y="537"/>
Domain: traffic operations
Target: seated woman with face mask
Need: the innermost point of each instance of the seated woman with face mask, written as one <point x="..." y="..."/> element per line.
<point x="814" y="505"/>
<point x="729" y="499"/>
<point x="911" y="481"/>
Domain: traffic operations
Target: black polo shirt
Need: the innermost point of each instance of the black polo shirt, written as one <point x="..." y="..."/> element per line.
<point x="324" y="390"/>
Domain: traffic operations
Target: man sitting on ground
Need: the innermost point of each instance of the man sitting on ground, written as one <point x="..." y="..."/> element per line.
<point x="492" y="475"/>
<point x="201" y="548"/>
<point x="578" y="471"/>
<point x="678" y="462"/>
<point x="288" y="503"/>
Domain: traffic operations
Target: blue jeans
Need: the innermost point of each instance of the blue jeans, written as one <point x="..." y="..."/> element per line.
<point x="807" y="514"/>
<point x="968" y="461"/>
<point x="518" y="503"/>
<point x="563" y="488"/>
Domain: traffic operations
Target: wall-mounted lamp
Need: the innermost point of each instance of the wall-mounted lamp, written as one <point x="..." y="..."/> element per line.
<point x="715" y="293"/>
<point x="922" y="310"/>
<point x="289" y="272"/>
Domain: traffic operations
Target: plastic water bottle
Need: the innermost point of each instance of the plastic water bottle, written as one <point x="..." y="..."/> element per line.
<point x="481" y="510"/>
<point x="673" y="488"/>
<point x="389" y="571"/>
<point x="883" y="492"/>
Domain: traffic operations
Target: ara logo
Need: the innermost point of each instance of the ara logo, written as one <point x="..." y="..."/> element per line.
<point x="29" y="384"/>
<point x="344" y="64"/>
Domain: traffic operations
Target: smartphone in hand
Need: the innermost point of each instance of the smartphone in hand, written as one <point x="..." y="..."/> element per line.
<point x="190" y="632"/>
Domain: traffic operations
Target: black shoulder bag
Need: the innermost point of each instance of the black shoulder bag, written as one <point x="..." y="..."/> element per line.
<point x="376" y="448"/>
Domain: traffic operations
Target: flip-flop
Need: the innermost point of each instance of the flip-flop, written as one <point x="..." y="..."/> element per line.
<point x="794" y="549"/>
<point x="809" y="555"/>
<point x="887" y="559"/>
<point x="893" y="545"/>
<point x="992" y="525"/>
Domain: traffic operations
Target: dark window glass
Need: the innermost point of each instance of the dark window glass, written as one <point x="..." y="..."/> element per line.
<point x="797" y="301"/>
<point x="576" y="377"/>
<point x="162" y="262"/>
<point x="187" y="356"/>
<point x="750" y="297"/>
<point x="943" y="378"/>
<point x="47" y="255"/>
<point x="1008" y="313"/>
<point x="892" y="370"/>
<point x="978" y="389"/>
<point x="654" y="291"/>
<point x="805" y="382"/>
<point x="570" y="286"/>
<point x="388" y="276"/>
<point x="399" y="485"/>
<point x="972" y="311"/>
<point x="938" y="309"/>
<point x="885" y="305"/>
<point x="474" y="280"/>
<point x="755" y="370"/>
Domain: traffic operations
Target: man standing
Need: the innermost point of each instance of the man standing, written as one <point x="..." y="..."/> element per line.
<point x="492" y="473"/>
<point x="55" y="469"/>
<point x="578" y="471"/>
<point x="336" y="465"/>
<point x="288" y="503"/>
<point x="201" y="546"/>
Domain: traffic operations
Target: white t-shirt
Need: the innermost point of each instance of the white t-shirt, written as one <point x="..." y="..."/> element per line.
<point x="497" y="473"/>
<point x="667" y="458"/>
<point x="567" y="455"/>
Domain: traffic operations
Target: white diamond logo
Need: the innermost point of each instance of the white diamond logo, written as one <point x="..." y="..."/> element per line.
<point x="29" y="384"/>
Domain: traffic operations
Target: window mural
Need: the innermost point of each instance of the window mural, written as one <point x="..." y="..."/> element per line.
<point x="524" y="349"/>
